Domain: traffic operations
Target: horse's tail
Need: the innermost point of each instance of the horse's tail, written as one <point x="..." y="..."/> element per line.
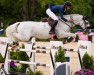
<point x="10" y="30"/>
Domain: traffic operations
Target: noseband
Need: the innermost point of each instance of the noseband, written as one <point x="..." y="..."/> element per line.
<point x="85" y="23"/>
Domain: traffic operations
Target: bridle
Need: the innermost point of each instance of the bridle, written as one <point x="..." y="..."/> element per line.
<point x="84" y="22"/>
<point x="71" y="17"/>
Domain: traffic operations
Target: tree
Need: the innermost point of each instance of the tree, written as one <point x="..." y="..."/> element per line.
<point x="23" y="10"/>
<point x="28" y="8"/>
<point x="10" y="11"/>
<point x="60" y="55"/>
<point x="87" y="62"/>
<point x="92" y="13"/>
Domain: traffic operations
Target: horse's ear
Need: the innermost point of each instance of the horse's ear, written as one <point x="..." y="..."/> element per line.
<point x="85" y="18"/>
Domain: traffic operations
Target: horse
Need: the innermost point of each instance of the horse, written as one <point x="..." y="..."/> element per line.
<point x="23" y="31"/>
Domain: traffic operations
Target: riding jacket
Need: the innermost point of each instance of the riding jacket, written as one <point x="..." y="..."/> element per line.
<point x="58" y="9"/>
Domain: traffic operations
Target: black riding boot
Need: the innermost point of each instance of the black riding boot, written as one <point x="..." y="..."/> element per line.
<point x="52" y="30"/>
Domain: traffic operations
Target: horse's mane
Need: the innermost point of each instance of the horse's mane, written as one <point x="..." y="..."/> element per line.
<point x="73" y="15"/>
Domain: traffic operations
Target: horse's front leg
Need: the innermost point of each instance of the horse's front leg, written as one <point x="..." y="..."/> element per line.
<point x="67" y="35"/>
<point x="70" y="35"/>
<point x="64" y="34"/>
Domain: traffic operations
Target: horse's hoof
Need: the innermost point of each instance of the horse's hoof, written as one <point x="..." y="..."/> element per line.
<point x="70" y="39"/>
<point x="65" y="41"/>
<point x="77" y="38"/>
<point x="15" y="43"/>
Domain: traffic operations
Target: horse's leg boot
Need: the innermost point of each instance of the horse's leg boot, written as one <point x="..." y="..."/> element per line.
<point x="52" y="31"/>
<point x="52" y="36"/>
<point x="70" y="39"/>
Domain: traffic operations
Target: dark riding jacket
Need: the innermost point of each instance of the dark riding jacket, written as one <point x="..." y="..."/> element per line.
<point x="58" y="9"/>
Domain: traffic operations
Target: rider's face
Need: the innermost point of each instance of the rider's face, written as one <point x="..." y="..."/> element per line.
<point x="68" y="8"/>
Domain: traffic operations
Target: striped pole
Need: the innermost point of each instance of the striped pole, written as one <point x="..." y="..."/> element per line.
<point x="39" y="47"/>
<point x="30" y="63"/>
<point x="33" y="51"/>
<point x="71" y="50"/>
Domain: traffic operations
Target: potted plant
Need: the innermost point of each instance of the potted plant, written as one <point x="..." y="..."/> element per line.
<point x="87" y="62"/>
<point x="87" y="66"/>
<point x="22" y="68"/>
<point x="59" y="56"/>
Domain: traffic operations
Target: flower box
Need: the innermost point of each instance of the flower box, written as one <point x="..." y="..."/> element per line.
<point x="83" y="37"/>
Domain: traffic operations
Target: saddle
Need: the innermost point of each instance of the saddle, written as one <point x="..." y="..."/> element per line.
<point x="49" y="20"/>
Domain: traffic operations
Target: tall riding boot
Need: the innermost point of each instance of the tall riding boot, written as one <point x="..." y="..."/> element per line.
<point x="52" y="30"/>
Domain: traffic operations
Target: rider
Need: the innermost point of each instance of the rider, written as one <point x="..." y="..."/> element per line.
<point x="61" y="9"/>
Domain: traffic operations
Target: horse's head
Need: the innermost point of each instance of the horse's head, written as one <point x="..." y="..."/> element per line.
<point x="84" y="23"/>
<point x="81" y="20"/>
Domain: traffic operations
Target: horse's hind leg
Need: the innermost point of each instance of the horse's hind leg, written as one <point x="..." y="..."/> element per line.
<point x="10" y="36"/>
<point x="21" y="37"/>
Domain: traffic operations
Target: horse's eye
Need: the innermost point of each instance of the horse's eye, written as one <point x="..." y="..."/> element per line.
<point x="87" y="23"/>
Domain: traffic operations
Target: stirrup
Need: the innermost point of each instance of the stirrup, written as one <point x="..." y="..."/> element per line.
<point x="51" y="32"/>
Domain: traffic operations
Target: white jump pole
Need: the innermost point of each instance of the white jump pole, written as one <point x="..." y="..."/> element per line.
<point x="32" y="57"/>
<point x="7" y="64"/>
<point x="54" y="47"/>
<point x="34" y="51"/>
<point x="30" y="63"/>
<point x="83" y="46"/>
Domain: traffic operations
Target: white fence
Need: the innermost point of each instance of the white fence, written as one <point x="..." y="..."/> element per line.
<point x="30" y="49"/>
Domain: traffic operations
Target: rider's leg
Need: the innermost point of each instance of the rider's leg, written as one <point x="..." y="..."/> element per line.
<point x="55" y="18"/>
<point x="52" y="30"/>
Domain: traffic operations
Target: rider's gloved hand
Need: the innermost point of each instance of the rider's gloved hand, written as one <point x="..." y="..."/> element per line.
<point x="71" y="21"/>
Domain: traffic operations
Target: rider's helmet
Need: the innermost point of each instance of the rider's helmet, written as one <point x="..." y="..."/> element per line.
<point x="68" y="3"/>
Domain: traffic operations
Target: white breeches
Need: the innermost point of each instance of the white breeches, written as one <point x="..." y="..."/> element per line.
<point x="51" y="14"/>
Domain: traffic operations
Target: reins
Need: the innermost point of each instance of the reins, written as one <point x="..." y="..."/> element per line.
<point x="68" y="24"/>
<point x="71" y="27"/>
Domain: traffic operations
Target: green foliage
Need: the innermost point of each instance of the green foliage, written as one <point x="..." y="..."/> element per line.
<point x="92" y="13"/>
<point x="92" y="5"/>
<point x="88" y="62"/>
<point x="23" y="56"/>
<point x="38" y="73"/>
<point x="1" y="59"/>
<point x="14" y="69"/>
<point x="20" y="56"/>
<point x="23" y="46"/>
<point x="17" y="55"/>
<point x="23" y="10"/>
<point x="11" y="11"/>
<point x="3" y="35"/>
<point x="60" y="55"/>
<point x="14" y="55"/>
<point x="30" y="72"/>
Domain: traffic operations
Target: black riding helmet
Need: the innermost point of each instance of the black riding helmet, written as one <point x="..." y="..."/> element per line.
<point x="68" y="3"/>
